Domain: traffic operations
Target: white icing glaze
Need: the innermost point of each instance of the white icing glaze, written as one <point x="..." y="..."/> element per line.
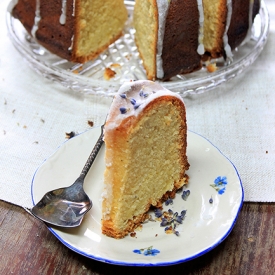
<point x="72" y="43"/>
<point x="250" y="22"/>
<point x="37" y="18"/>
<point x="163" y="7"/>
<point x="227" y="47"/>
<point x="73" y="8"/>
<point x="11" y="5"/>
<point x="62" y="19"/>
<point x="200" y="49"/>
<point x="132" y="98"/>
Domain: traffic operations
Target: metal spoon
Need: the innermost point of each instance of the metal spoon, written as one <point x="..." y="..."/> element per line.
<point x="66" y="207"/>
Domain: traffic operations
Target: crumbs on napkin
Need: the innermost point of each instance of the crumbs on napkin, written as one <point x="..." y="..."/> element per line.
<point x="90" y="123"/>
<point x="70" y="135"/>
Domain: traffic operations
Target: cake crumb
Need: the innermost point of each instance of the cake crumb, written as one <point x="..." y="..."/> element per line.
<point x="133" y="234"/>
<point x="76" y="71"/>
<point x="91" y="123"/>
<point x="266" y="152"/>
<point x="169" y="230"/>
<point x="211" y="67"/>
<point x="109" y="73"/>
<point x="70" y="135"/>
<point x="115" y="65"/>
<point x="128" y="56"/>
<point x="139" y="228"/>
<point x="156" y="235"/>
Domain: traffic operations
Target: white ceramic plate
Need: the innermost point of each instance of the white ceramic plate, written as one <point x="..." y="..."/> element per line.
<point x="205" y="226"/>
<point x="90" y="76"/>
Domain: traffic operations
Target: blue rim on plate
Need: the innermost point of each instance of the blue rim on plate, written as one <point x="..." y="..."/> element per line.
<point x="215" y="200"/>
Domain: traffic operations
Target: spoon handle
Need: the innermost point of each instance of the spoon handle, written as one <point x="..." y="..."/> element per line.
<point x="93" y="155"/>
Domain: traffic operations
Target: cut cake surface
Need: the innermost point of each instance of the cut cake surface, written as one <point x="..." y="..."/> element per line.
<point x="145" y="141"/>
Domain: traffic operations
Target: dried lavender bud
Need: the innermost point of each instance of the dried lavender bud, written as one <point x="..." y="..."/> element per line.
<point x="136" y="106"/>
<point x="164" y="222"/>
<point x="183" y="213"/>
<point x="142" y="94"/>
<point x="123" y="96"/>
<point x="133" y="101"/>
<point x="185" y="194"/>
<point x="169" y="201"/>
<point x="123" y="110"/>
<point x="158" y="213"/>
<point x="170" y="212"/>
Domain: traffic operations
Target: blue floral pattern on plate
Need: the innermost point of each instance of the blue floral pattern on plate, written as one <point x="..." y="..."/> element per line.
<point x="149" y="251"/>
<point x="220" y="184"/>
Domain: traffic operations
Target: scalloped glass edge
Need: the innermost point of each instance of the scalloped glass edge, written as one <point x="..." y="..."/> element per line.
<point x="89" y="78"/>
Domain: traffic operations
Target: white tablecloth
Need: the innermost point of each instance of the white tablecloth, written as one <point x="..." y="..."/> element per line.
<point x="238" y="117"/>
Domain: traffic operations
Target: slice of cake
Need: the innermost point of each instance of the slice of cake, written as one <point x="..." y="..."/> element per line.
<point x="76" y="30"/>
<point x="145" y="139"/>
<point x="214" y="26"/>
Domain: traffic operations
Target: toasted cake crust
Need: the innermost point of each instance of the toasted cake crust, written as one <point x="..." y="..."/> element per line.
<point x="181" y="39"/>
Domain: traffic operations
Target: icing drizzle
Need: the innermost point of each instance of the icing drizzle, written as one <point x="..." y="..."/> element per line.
<point x="250" y="21"/>
<point x="227" y="47"/>
<point x="62" y="19"/>
<point x="37" y="18"/>
<point x="200" y="49"/>
<point x="163" y="7"/>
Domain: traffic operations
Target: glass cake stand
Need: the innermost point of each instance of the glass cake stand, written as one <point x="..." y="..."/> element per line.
<point x="122" y="58"/>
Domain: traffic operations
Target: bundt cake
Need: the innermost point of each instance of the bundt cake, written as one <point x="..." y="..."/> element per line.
<point x="172" y="36"/>
<point x="145" y="157"/>
<point x="76" y="30"/>
<point x="180" y="34"/>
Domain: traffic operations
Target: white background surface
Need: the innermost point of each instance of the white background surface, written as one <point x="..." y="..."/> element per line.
<point x="238" y="117"/>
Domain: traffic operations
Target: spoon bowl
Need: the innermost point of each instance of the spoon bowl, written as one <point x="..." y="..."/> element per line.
<point x="66" y="206"/>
